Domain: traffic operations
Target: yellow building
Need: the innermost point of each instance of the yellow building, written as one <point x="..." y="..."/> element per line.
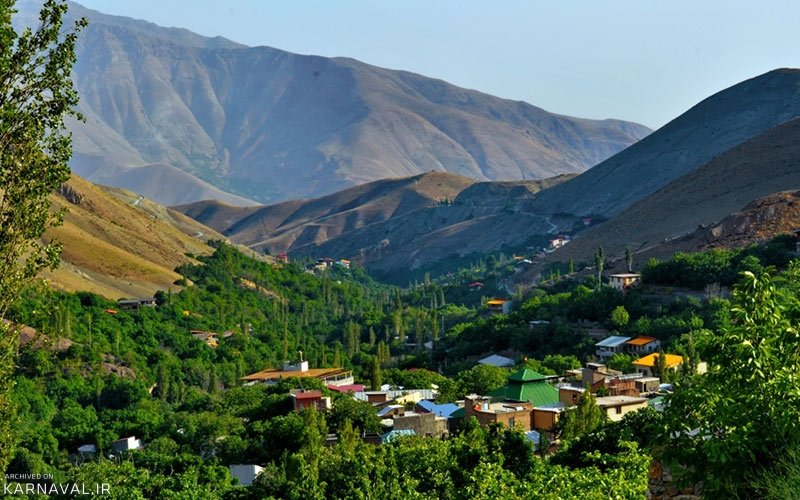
<point x="645" y="365"/>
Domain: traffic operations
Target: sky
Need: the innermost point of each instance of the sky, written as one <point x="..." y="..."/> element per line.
<point x="638" y="60"/>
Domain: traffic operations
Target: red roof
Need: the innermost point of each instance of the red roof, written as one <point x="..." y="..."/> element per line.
<point x="475" y="284"/>
<point x="307" y="395"/>
<point x="347" y="388"/>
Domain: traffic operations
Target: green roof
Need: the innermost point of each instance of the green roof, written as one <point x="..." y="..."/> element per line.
<point x="525" y="375"/>
<point x="458" y="413"/>
<point x="538" y="393"/>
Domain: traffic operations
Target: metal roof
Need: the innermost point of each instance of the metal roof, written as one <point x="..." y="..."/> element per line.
<point x="612" y="341"/>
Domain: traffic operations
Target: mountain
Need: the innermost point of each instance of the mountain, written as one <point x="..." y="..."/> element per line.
<point x="668" y="220"/>
<point x="391" y="224"/>
<point x="709" y="129"/>
<point x="270" y="125"/>
<point x="119" y="244"/>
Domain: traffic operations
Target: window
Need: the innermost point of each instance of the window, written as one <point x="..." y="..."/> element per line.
<point x="618" y="410"/>
<point x="511" y="422"/>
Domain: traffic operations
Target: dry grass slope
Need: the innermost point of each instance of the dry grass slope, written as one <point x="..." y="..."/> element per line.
<point x="118" y="244"/>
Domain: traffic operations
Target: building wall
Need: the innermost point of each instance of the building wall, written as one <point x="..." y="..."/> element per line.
<point x="543" y="420"/>
<point x="521" y="418"/>
<point x="423" y="424"/>
<point x="616" y="413"/>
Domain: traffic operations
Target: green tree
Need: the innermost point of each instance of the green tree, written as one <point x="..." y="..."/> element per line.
<point x="619" y="317"/>
<point x="483" y="379"/>
<point x="740" y="418"/>
<point x="560" y="363"/>
<point x="376" y="379"/>
<point x="582" y="419"/>
<point x="621" y="362"/>
<point x="660" y="368"/>
<point x="36" y="94"/>
<point x="599" y="262"/>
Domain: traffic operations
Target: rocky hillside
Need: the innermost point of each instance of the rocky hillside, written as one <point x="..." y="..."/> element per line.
<point x="712" y="127"/>
<point x="403" y="223"/>
<point x="271" y="125"/>
<point x="765" y="164"/>
<point x="119" y="244"/>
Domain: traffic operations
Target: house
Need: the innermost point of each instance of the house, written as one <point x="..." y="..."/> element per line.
<point x="646" y="364"/>
<point x="399" y="396"/>
<point x="532" y="324"/>
<point x="546" y="417"/>
<point x="302" y="399"/>
<point x="534" y="437"/>
<point x="569" y="395"/>
<point x="394" y="434"/>
<point x="211" y="339"/>
<point x="329" y="376"/>
<point x="353" y="388"/>
<point x="126" y="444"/>
<point x="87" y="449"/>
<point x="391" y="411"/>
<point x="497" y="360"/>
<point x="624" y="281"/>
<point x="587" y="221"/>
<point x="477" y="285"/>
<point x="135" y="304"/>
<point x="423" y="424"/>
<point x="647" y="384"/>
<point x="643" y="345"/>
<point x="617" y="407"/>
<point x="499" y="306"/>
<point x="559" y="241"/>
<point x="343" y="263"/>
<point x="511" y="414"/>
<point x="608" y="347"/>
<point x="440" y="410"/>
<point x="526" y="385"/>
<point x="245" y="473"/>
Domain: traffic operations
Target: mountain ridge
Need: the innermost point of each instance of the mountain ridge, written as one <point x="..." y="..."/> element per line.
<point x="242" y="117"/>
<point x="710" y="128"/>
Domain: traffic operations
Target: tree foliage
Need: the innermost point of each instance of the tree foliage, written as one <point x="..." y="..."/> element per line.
<point x="741" y="417"/>
<point x="36" y="94"/>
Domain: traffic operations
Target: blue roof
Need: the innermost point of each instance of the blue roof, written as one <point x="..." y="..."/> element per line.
<point x="387" y="409"/>
<point x="442" y="410"/>
<point x="392" y="435"/>
<point x="534" y="437"/>
<point x="612" y="341"/>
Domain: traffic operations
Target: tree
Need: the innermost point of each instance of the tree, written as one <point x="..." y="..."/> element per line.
<point x="619" y="317"/>
<point x="375" y="374"/>
<point x="483" y="379"/>
<point x="660" y="368"/>
<point x="585" y="418"/>
<point x="36" y="94"/>
<point x="599" y="262"/>
<point x="560" y="363"/>
<point x="740" y="418"/>
<point x="621" y="362"/>
<point x="629" y="259"/>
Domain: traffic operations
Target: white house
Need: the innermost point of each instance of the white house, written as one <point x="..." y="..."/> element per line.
<point x="643" y="345"/>
<point x="624" y="281"/>
<point x="126" y="444"/>
<point x="610" y="346"/>
<point x="245" y="473"/>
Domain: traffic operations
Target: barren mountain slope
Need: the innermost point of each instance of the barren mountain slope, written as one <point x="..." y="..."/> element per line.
<point x="765" y="164"/>
<point x="271" y="125"/>
<point x="709" y="129"/>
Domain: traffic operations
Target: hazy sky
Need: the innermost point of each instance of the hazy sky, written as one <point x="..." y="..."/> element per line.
<point x="646" y="61"/>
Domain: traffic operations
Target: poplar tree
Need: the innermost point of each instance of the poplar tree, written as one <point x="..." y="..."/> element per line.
<point x="36" y="95"/>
